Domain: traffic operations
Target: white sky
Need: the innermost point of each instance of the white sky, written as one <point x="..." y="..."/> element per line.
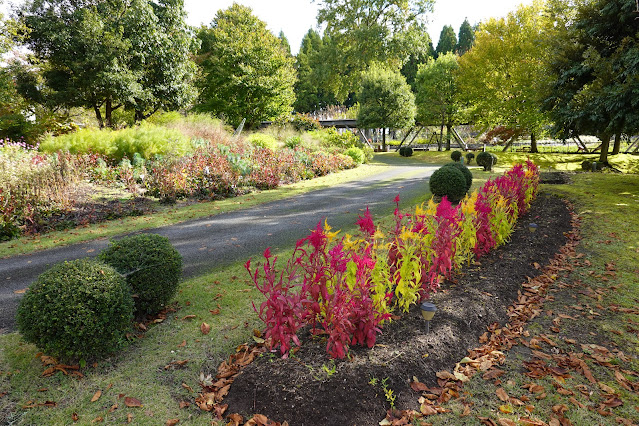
<point x="295" y="17"/>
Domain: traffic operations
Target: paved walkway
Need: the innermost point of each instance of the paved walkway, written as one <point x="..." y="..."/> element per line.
<point x="223" y="239"/>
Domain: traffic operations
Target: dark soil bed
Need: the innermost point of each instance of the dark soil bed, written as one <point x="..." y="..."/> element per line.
<point x="311" y="389"/>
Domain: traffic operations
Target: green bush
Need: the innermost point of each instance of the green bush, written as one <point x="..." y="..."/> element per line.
<point x="449" y="182"/>
<point x="455" y="156"/>
<point x="587" y="166"/>
<point x="305" y="123"/>
<point x="331" y="138"/>
<point x="406" y="151"/>
<point x="78" y="309"/>
<point x="146" y="140"/>
<point x="486" y="160"/>
<point x="262" y="140"/>
<point x="356" y="154"/>
<point x="152" y="267"/>
<point x="467" y="174"/>
<point x="293" y="142"/>
<point x="469" y="157"/>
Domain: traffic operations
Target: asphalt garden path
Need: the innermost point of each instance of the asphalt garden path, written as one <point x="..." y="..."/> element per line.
<point x="226" y="238"/>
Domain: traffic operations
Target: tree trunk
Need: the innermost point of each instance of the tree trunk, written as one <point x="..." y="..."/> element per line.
<point x="448" y="132"/>
<point x="440" y="141"/>
<point x="108" y="113"/>
<point x="384" y="139"/>
<point x="533" y="143"/>
<point x="617" y="147"/>
<point x="605" y="144"/>
<point x="98" y="116"/>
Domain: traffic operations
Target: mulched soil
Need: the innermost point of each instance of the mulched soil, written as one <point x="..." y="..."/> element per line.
<point x="311" y="389"/>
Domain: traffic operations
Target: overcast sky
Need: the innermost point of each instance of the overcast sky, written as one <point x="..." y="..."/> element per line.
<point x="295" y="17"/>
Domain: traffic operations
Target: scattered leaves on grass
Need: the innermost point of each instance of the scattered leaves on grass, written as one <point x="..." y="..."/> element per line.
<point x="96" y="396"/>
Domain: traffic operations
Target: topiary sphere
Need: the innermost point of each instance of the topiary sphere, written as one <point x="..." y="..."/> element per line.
<point x="449" y="182"/>
<point x="468" y="176"/>
<point x="405" y="151"/>
<point x="469" y="157"/>
<point x="152" y="267"/>
<point x="455" y="156"/>
<point x="78" y="309"/>
<point x="486" y="160"/>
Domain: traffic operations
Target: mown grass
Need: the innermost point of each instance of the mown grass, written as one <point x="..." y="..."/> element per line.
<point x="179" y="213"/>
<point x="608" y="205"/>
<point x="603" y="201"/>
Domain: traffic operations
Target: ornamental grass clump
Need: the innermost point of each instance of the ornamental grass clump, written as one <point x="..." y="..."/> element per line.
<point x="152" y="267"/>
<point x="346" y="289"/>
<point x="77" y="310"/>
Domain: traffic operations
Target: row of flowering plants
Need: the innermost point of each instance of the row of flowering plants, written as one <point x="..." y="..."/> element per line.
<point x="346" y="288"/>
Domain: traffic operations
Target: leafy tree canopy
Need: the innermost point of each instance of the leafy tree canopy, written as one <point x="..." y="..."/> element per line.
<point x="106" y="55"/>
<point x="385" y="99"/>
<point x="447" y="40"/>
<point x="593" y="86"/>
<point x="466" y="38"/>
<point x="246" y="72"/>
<point x="500" y="76"/>
<point x="367" y="31"/>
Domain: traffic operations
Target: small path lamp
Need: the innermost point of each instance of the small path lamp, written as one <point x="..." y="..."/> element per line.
<point x="532" y="227"/>
<point x="428" y="312"/>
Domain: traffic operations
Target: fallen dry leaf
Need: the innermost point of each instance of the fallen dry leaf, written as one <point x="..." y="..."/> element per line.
<point x="75" y="417"/>
<point x="172" y="422"/>
<point x="466" y="411"/>
<point x="506" y="409"/>
<point x="132" y="402"/>
<point x="501" y="394"/>
<point x="205" y="328"/>
<point x="215" y="312"/>
<point x="183" y="344"/>
<point x="506" y="422"/>
<point x="96" y="396"/>
<point x="129" y="418"/>
<point x="188" y="317"/>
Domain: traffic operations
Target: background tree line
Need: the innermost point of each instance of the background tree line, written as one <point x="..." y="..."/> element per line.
<point x="560" y="67"/>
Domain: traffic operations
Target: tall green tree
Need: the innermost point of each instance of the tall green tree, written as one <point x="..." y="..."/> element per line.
<point x="385" y="100"/>
<point x="312" y="88"/>
<point x="246" y="74"/>
<point x="594" y="85"/>
<point x="284" y="41"/>
<point x="447" y="40"/>
<point x="466" y="38"/>
<point x="438" y="95"/>
<point x="420" y="53"/>
<point x="106" y="55"/>
<point x="500" y="77"/>
<point x="367" y="31"/>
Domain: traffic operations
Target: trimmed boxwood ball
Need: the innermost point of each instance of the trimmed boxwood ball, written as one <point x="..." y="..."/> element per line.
<point x="484" y="159"/>
<point x="455" y="155"/>
<point x="467" y="174"/>
<point x="152" y="267"/>
<point x="469" y="157"/>
<point x="406" y="151"/>
<point x="449" y="182"/>
<point x="77" y="310"/>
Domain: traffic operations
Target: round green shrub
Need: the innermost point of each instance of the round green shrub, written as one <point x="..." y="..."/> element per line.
<point x="152" y="267"/>
<point x="449" y="182"/>
<point x="406" y="151"/>
<point x="468" y="176"/>
<point x="455" y="156"/>
<point x="356" y="154"/>
<point x="469" y="157"/>
<point x="486" y="160"/>
<point x="78" y="309"/>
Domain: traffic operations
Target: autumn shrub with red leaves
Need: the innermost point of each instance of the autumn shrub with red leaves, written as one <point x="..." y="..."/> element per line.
<point x="345" y="289"/>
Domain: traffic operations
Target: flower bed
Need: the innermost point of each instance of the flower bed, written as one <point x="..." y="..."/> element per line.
<point x="347" y="288"/>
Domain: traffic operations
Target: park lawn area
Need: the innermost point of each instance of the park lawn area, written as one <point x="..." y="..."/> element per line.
<point x="144" y="370"/>
<point x="172" y="214"/>
<point x="625" y="163"/>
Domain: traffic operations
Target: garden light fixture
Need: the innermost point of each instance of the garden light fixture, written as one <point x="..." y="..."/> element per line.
<point x="532" y="227"/>
<point x="428" y="312"/>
